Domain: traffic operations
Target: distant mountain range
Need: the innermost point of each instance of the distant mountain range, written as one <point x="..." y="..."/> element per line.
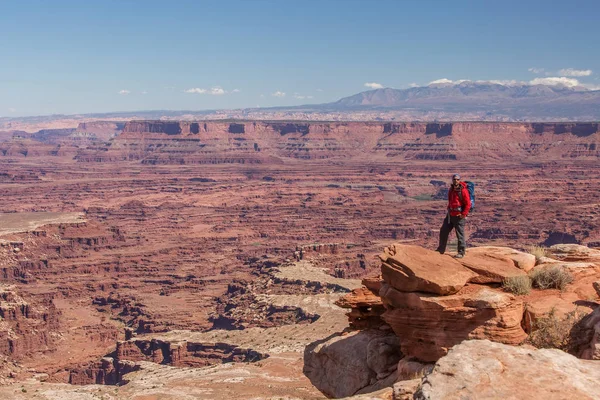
<point x="464" y="101"/>
<point x="487" y="99"/>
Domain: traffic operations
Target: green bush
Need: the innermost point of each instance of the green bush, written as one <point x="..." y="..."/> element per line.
<point x="519" y="285"/>
<point x="555" y="277"/>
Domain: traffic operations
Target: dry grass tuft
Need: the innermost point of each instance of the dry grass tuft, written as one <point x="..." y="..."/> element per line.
<point x="539" y="252"/>
<point x="519" y="285"/>
<point x="554" y="332"/>
<point x="555" y="277"/>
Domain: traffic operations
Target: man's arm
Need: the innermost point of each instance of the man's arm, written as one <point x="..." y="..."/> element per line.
<point x="466" y="198"/>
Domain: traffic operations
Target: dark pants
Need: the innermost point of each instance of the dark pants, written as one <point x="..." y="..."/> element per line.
<point x="449" y="224"/>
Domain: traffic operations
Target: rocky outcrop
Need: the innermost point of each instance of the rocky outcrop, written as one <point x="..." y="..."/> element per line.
<point x="343" y="365"/>
<point x="259" y="142"/>
<point x="366" y="308"/>
<point x="481" y="369"/>
<point x="26" y="325"/>
<point x="430" y="325"/>
<point x="429" y="321"/>
<point x="433" y="302"/>
<point x="184" y="353"/>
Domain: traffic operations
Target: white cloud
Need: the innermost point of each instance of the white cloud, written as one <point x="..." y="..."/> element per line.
<point x="217" y="91"/>
<point x="413" y="85"/>
<point x="124" y="92"/>
<point x="374" y="85"/>
<point x="235" y="91"/>
<point x="319" y="90"/>
<point x="278" y="94"/>
<point x="555" y="81"/>
<point x="12" y="110"/>
<point x="144" y="92"/>
<point x="536" y="70"/>
<point x="195" y="90"/>
<point x="262" y="96"/>
<point x="575" y="72"/>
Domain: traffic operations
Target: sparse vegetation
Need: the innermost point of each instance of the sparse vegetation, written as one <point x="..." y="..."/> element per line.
<point x="539" y="252"/>
<point x="519" y="285"/>
<point x="555" y="277"/>
<point x="556" y="332"/>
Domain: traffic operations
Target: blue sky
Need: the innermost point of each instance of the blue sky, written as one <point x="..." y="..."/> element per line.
<point x="100" y="56"/>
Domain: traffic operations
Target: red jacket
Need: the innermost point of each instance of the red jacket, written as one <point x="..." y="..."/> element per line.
<point x="459" y="202"/>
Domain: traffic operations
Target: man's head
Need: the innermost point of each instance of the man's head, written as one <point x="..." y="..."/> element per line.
<point x="455" y="180"/>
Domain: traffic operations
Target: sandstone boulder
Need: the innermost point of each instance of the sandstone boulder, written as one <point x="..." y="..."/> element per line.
<point x="521" y="260"/>
<point x="490" y="268"/>
<point x="481" y="369"/>
<point x="574" y="252"/>
<point x="428" y="325"/>
<point x="414" y="268"/>
<point x="341" y="366"/>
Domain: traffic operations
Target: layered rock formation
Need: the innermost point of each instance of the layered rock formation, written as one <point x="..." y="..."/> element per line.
<point x="251" y="142"/>
<point x="431" y="308"/>
<point x="26" y="326"/>
<point x="433" y="302"/>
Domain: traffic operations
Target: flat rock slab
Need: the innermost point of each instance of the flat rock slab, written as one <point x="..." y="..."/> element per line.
<point x="521" y="260"/>
<point x="490" y="268"/>
<point x="481" y="369"/>
<point x="416" y="269"/>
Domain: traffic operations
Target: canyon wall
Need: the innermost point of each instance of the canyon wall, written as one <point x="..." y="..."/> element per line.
<point x="260" y="142"/>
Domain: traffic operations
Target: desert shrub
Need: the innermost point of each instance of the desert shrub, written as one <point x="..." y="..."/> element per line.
<point x="517" y="284"/>
<point x="554" y="332"/>
<point x="539" y="252"/>
<point x="551" y="278"/>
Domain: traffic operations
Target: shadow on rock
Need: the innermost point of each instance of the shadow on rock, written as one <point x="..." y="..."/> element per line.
<point x="344" y="364"/>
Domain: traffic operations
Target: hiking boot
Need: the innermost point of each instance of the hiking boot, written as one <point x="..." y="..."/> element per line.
<point x="459" y="255"/>
<point x="439" y="251"/>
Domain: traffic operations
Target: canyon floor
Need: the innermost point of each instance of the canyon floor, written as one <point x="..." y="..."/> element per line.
<point x="252" y="256"/>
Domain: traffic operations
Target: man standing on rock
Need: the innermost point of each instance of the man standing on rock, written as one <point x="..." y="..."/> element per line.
<point x="459" y="204"/>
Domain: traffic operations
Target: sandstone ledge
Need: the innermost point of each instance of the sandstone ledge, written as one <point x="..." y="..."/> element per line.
<point x="481" y="369"/>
